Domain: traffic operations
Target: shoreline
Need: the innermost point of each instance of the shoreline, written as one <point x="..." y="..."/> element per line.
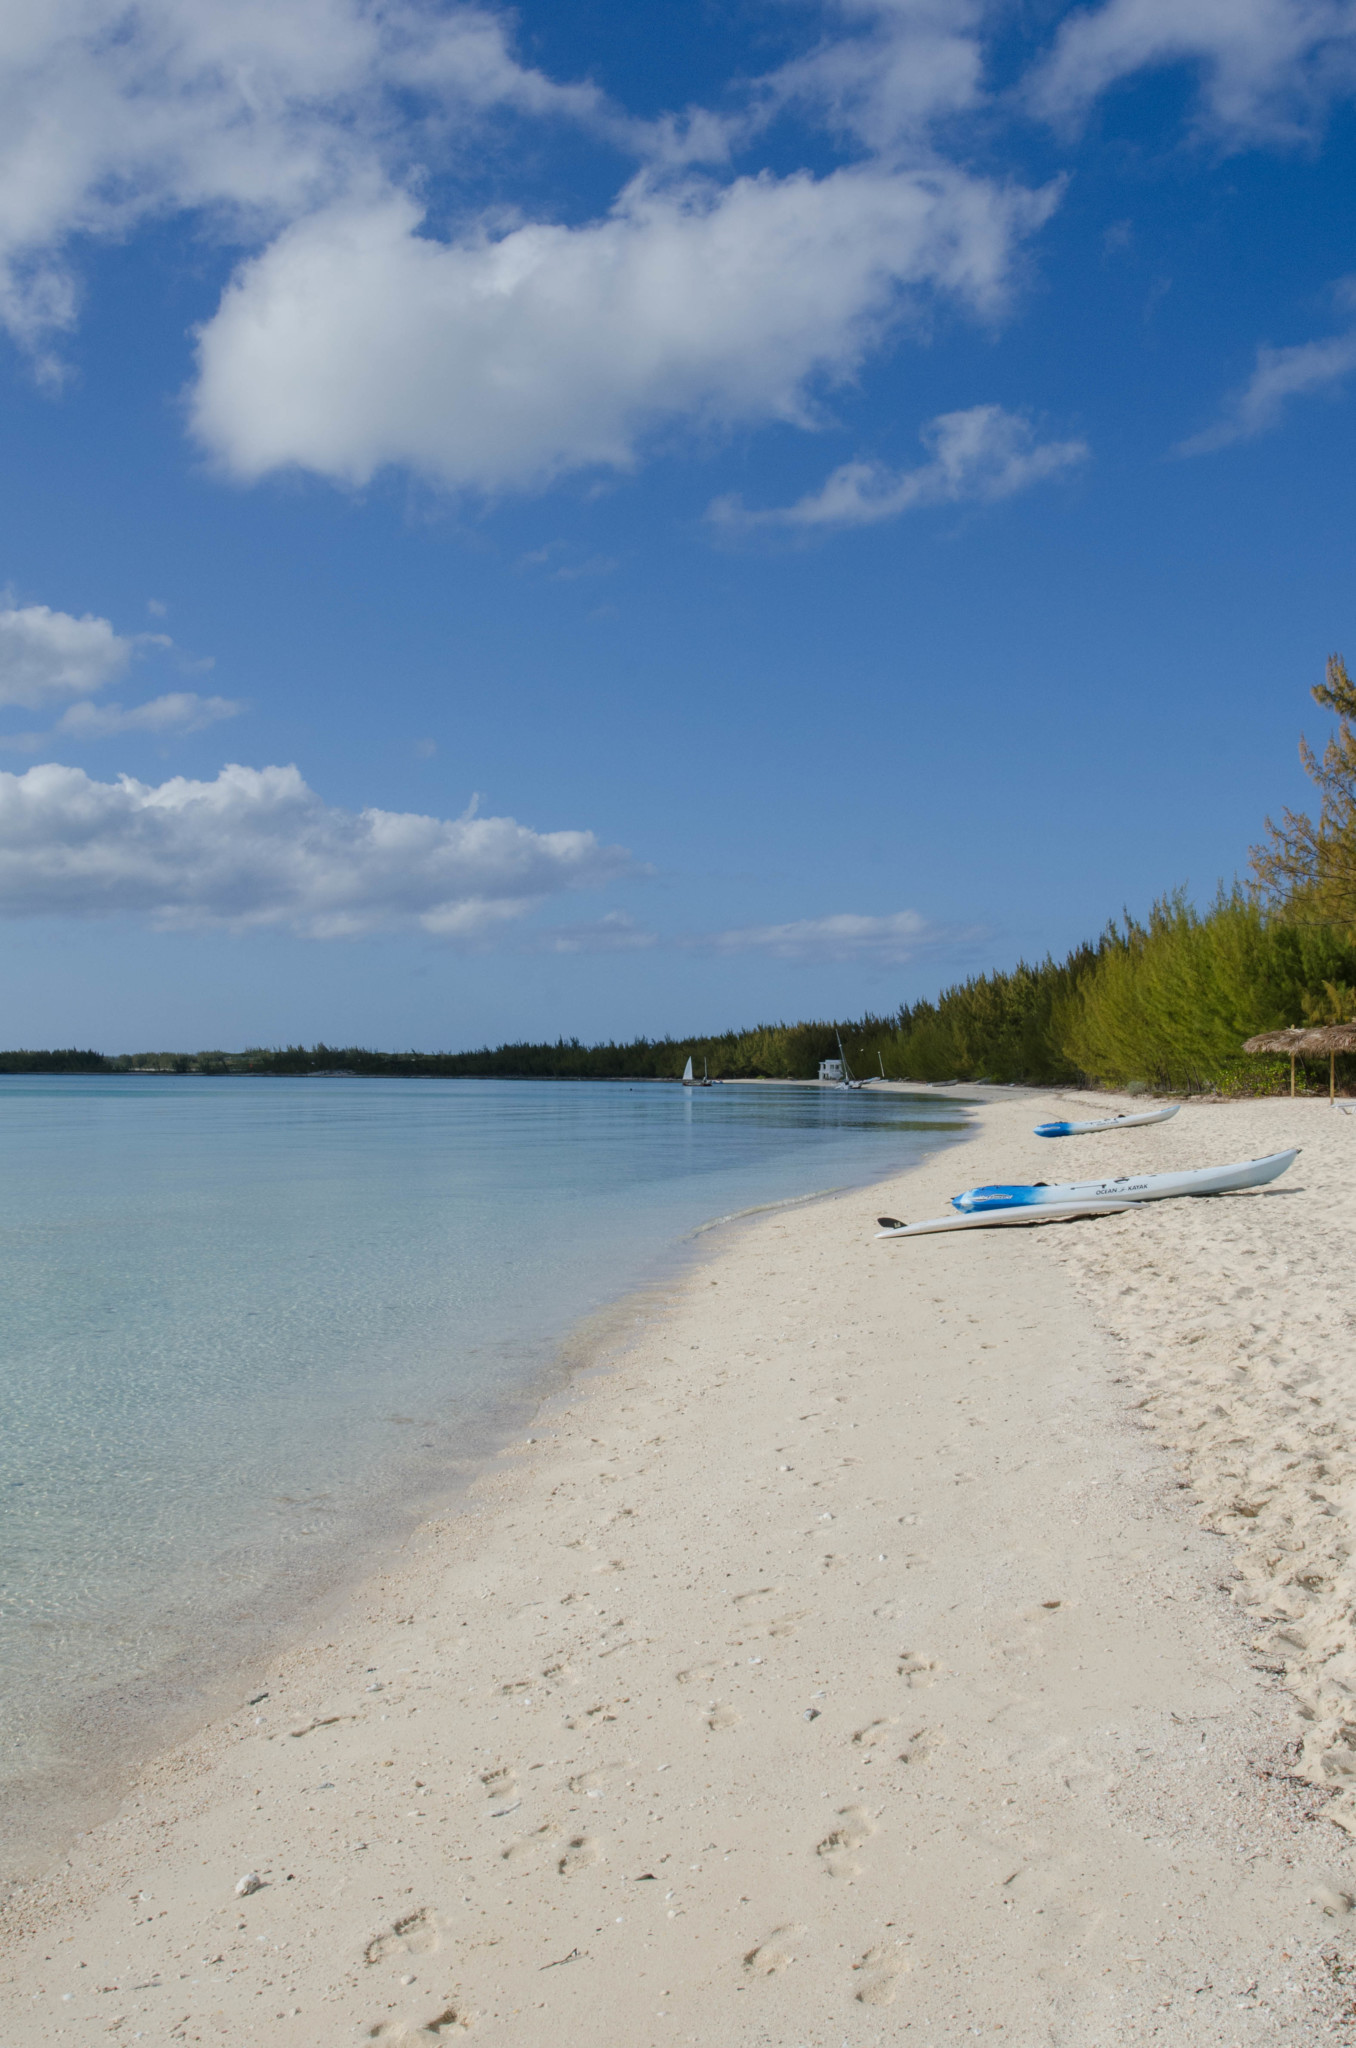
<point x="144" y="1717"/>
<point x="727" y="1692"/>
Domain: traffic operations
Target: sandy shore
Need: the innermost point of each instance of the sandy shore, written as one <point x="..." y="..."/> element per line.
<point x="845" y="1662"/>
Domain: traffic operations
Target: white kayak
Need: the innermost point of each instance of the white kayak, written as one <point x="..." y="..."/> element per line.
<point x="985" y="1219"/>
<point x="1107" y="1123"/>
<point x="1141" y="1187"/>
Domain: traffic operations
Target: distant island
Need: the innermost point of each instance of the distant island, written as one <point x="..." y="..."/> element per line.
<point x="772" y="1052"/>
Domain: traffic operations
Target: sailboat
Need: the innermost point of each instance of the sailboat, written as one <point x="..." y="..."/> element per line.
<point x="847" y="1080"/>
<point x="690" y="1080"/>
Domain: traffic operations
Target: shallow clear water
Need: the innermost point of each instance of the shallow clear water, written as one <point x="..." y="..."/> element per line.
<point x="244" y="1319"/>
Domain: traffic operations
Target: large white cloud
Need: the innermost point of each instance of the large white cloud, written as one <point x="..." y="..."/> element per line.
<point x="482" y="351"/>
<point x="356" y="341"/>
<point x="1267" y="67"/>
<point x="982" y="453"/>
<point x="258" y="848"/>
<point x="371" y="324"/>
<point x="116" y="111"/>
<point x="47" y="655"/>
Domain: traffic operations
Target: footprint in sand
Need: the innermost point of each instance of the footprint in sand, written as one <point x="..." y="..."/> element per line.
<point x="414" y="1934"/>
<point x="524" y="1848"/>
<point x="917" y="1670"/>
<point x="774" y="1953"/>
<point x="579" y="1853"/>
<point x="501" y="1783"/>
<point x="436" y="2028"/>
<point x="597" y="1779"/>
<point x="881" y="1968"/>
<point x="838" y="1849"/>
<point x="875" y="1731"/>
<point x="718" y="1717"/>
<point x="921" y="1745"/>
<point x="696" y="1674"/>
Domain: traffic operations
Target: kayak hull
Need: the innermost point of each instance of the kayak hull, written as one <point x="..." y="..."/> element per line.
<point x="988" y="1219"/>
<point x="1149" y="1187"/>
<point x="1107" y="1123"/>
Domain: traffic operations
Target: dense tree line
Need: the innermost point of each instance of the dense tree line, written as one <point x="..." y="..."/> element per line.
<point x="1162" y="1004"/>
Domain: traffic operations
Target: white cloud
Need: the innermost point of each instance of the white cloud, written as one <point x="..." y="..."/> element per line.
<point x="179" y="711"/>
<point x="1279" y="375"/>
<point x="1267" y="67"/>
<point x="613" y="933"/>
<point x="364" y="328"/>
<point x="113" y="112"/>
<point x="485" y="354"/>
<point x="356" y="341"/>
<point x="845" y="937"/>
<point x="902" y="66"/>
<point x="257" y="848"/>
<point x="46" y="654"/>
<point x="983" y="453"/>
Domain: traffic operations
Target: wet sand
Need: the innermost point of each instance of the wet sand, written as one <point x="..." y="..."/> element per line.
<point x="888" y="1641"/>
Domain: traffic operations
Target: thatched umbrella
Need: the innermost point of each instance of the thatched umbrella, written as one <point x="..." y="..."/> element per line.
<point x="1298" y="1040"/>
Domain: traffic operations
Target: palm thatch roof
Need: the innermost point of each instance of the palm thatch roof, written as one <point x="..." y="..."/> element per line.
<point x="1305" y="1039"/>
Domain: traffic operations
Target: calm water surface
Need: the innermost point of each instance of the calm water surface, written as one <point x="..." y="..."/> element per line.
<point x="248" y="1322"/>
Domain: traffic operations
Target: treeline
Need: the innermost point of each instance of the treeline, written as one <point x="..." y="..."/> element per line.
<point x="770" y="1052"/>
<point x="65" y="1062"/>
<point x="1164" y="1004"/>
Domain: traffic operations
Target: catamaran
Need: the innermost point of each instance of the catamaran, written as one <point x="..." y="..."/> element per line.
<point x="847" y="1080"/>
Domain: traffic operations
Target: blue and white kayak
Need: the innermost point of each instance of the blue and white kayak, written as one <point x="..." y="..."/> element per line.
<point x="986" y="1219"/>
<point x="1107" y="1123"/>
<point x="1141" y="1187"/>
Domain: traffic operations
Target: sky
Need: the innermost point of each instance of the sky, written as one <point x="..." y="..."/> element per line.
<point x="605" y="520"/>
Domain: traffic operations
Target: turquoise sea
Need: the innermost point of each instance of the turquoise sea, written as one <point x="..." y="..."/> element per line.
<point x="251" y="1327"/>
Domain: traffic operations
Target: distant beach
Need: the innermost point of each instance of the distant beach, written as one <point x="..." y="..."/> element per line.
<point x="879" y="1641"/>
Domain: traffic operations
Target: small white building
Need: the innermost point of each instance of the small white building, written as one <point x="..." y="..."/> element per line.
<point x="830" y="1070"/>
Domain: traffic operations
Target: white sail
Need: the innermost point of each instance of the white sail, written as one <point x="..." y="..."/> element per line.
<point x="687" y="1075"/>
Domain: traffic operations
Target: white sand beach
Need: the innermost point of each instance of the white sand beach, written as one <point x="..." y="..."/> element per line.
<point x="888" y="1642"/>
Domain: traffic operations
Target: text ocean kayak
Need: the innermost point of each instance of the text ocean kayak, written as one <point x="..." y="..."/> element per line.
<point x="1107" y="1123"/>
<point x="1143" y="1187"/>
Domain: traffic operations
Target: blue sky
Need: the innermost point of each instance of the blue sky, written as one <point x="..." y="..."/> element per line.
<point x="602" y="519"/>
